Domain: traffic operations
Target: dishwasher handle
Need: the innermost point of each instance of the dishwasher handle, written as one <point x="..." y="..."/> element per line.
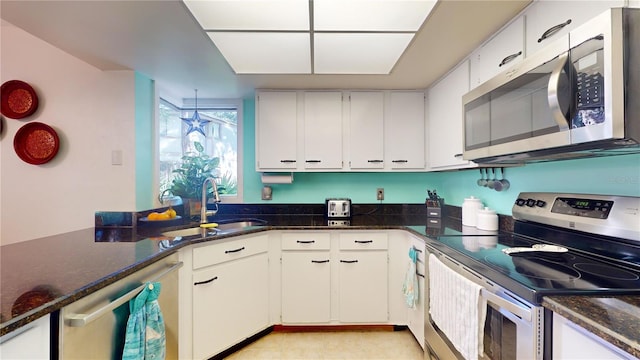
<point x="79" y="320"/>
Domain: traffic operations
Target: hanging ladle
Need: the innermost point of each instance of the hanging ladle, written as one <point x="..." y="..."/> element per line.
<point x="491" y="182"/>
<point x="481" y="181"/>
<point x="502" y="184"/>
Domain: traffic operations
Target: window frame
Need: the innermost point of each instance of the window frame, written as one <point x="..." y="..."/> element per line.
<point x="205" y="104"/>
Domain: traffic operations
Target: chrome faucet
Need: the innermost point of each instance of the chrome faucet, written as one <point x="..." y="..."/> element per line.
<point x="216" y="198"/>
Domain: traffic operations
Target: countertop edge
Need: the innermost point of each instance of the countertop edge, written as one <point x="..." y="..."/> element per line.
<point x="556" y="304"/>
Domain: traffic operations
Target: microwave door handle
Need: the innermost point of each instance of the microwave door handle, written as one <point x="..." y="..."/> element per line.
<point x="554" y="95"/>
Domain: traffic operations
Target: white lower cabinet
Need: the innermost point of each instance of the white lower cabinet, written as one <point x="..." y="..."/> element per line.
<point x="415" y="318"/>
<point x="363" y="287"/>
<point x="363" y="277"/>
<point x="230" y="291"/>
<point x="230" y="297"/>
<point x="306" y="287"/>
<point x="30" y="342"/>
<point x="571" y="341"/>
<point x="306" y="278"/>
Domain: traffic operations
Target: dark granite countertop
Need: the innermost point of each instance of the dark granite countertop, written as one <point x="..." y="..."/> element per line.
<point x="40" y="276"/>
<point x="61" y="269"/>
<point x="616" y="319"/>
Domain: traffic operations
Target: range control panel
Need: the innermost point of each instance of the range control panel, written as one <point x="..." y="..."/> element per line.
<point x="601" y="214"/>
<point x="598" y="209"/>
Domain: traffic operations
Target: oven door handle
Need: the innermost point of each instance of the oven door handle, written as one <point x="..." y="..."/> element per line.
<point x="523" y="313"/>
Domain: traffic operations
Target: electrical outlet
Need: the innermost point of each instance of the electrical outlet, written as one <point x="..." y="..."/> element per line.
<point x="380" y="194"/>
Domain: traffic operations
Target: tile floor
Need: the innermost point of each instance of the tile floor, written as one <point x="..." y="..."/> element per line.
<point x="398" y="345"/>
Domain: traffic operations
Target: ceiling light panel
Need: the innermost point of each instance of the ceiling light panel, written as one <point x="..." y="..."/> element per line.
<point x="370" y="15"/>
<point x="358" y="53"/>
<point x="273" y="15"/>
<point x="265" y="53"/>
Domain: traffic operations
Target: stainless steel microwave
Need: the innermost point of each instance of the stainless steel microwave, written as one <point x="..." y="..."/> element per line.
<point x="577" y="97"/>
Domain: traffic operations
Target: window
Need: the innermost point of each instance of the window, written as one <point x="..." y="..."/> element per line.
<point x="221" y="139"/>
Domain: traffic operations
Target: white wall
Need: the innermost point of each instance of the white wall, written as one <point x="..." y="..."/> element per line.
<point x="93" y="113"/>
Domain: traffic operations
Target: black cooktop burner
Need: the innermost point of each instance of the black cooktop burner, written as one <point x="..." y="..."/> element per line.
<point x="537" y="268"/>
<point x="606" y="271"/>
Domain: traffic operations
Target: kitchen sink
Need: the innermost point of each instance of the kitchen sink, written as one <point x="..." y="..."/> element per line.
<point x="224" y="227"/>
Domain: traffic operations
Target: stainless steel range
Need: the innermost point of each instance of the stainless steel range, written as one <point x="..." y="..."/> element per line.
<point x="563" y="244"/>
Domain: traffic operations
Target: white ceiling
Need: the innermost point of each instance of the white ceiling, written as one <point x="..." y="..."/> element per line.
<point x="160" y="38"/>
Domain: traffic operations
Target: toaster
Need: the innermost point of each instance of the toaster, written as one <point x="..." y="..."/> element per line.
<point x="338" y="208"/>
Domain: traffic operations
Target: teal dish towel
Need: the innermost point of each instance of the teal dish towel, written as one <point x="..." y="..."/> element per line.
<point x="410" y="285"/>
<point x="145" y="336"/>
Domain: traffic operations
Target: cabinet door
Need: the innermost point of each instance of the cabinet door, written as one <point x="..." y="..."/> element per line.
<point x="546" y="16"/>
<point x="276" y="130"/>
<point x="405" y="131"/>
<point x="500" y="53"/>
<point x="416" y="315"/>
<point x="363" y="290"/>
<point x="306" y="287"/>
<point x="230" y="303"/>
<point x="323" y="130"/>
<point x="445" y="120"/>
<point x="30" y="342"/>
<point x="571" y="341"/>
<point x="366" y="123"/>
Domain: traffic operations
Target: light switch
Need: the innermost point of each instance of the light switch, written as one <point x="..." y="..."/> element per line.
<point x="116" y="157"/>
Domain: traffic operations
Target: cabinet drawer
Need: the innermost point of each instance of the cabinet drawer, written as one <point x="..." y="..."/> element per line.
<point x="306" y="241"/>
<point x="363" y="241"/>
<point x="231" y="250"/>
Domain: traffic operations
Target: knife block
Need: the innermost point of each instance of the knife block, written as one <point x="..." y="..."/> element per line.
<point x="434" y="212"/>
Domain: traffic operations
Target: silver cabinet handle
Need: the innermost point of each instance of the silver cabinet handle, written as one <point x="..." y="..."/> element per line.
<point x="78" y="320"/>
<point x="509" y="58"/>
<point x="552" y="30"/>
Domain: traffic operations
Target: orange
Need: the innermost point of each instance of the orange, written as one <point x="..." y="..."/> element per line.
<point x="163" y="216"/>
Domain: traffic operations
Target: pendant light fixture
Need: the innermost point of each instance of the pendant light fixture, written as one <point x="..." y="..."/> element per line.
<point x="195" y="122"/>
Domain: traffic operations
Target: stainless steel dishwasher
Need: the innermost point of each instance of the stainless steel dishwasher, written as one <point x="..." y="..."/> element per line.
<point x="94" y="326"/>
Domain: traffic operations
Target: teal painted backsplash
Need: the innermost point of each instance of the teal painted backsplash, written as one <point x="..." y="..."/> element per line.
<point x="144" y="113"/>
<point x="619" y="175"/>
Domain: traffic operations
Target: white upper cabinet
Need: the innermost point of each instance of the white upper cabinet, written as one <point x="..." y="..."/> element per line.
<point x="366" y="130"/>
<point x="404" y="131"/>
<point x="445" y="120"/>
<point x="323" y="130"/>
<point x="276" y="130"/>
<point x="372" y="130"/>
<point x="549" y="20"/>
<point x="501" y="52"/>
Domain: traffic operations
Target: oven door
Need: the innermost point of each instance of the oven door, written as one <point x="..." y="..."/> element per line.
<point x="509" y="336"/>
<point x="513" y="328"/>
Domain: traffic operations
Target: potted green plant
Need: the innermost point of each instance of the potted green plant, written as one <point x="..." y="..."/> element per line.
<point x="189" y="177"/>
